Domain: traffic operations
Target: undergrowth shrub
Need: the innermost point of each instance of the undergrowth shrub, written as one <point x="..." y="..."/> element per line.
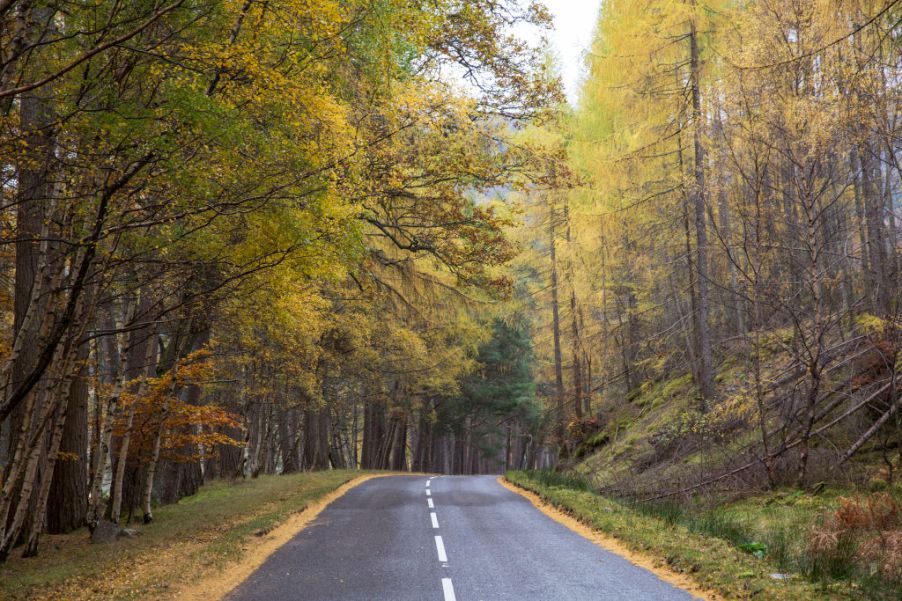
<point x="861" y="534"/>
<point x="555" y="478"/>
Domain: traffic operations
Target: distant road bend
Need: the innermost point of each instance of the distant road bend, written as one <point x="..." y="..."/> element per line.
<point x="445" y="538"/>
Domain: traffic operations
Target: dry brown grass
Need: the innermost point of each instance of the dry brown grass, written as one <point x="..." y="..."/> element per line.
<point x="866" y="530"/>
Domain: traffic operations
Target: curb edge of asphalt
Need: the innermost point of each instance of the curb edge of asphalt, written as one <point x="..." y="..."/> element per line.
<point x="216" y="587"/>
<point x="611" y="544"/>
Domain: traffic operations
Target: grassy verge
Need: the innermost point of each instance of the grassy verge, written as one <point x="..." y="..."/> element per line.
<point x="798" y="533"/>
<point x="199" y="536"/>
<point x="713" y="560"/>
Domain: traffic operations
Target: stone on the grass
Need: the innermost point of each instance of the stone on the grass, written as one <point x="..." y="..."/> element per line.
<point x="105" y="532"/>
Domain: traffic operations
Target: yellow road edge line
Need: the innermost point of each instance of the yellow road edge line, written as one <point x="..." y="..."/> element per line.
<point x="609" y="543"/>
<point x="217" y="586"/>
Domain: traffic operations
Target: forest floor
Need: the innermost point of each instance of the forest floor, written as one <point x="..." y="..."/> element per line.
<point x="200" y="537"/>
<point x="756" y="548"/>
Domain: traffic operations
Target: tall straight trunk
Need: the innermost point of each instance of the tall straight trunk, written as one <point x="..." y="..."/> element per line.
<point x="398" y="456"/>
<point x="860" y="220"/>
<point x="735" y="302"/>
<point x="337" y="455"/>
<point x="142" y="358"/>
<point x="556" y="331"/>
<point x="153" y="461"/>
<point x="112" y="406"/>
<point x="374" y="428"/>
<point x="761" y="233"/>
<point x="33" y="200"/>
<point x="624" y="350"/>
<point x="68" y="500"/>
<point x="574" y="330"/>
<point x="690" y="331"/>
<point x="366" y="444"/>
<point x="355" y="458"/>
<point x="256" y="431"/>
<point x="184" y="340"/>
<point x="151" y="472"/>
<point x="423" y="455"/>
<point x="814" y="284"/>
<point x="892" y="238"/>
<point x="439" y="454"/>
<point x="97" y="404"/>
<point x="316" y="438"/>
<point x="873" y="214"/>
<point x="289" y="437"/>
<point x="791" y="220"/>
<point x="605" y="325"/>
<point x="733" y="305"/>
<point x="705" y="369"/>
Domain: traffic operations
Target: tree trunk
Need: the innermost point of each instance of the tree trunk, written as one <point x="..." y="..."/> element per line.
<point x="398" y="460"/>
<point x="705" y="368"/>
<point x="316" y="439"/>
<point x="289" y="438"/>
<point x="68" y="497"/>
<point x="142" y="353"/>
<point x="574" y="331"/>
<point x="873" y="212"/>
<point x="33" y="200"/>
<point x="560" y="414"/>
<point x="112" y="405"/>
<point x="373" y="433"/>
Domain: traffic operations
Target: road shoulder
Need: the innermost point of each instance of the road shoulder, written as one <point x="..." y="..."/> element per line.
<point x="218" y="585"/>
<point x="710" y="568"/>
<point x="647" y="562"/>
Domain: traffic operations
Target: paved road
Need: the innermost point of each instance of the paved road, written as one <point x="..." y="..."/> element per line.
<point x="448" y="538"/>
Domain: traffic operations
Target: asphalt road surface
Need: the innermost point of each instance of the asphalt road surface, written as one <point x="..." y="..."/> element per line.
<point x="447" y="538"/>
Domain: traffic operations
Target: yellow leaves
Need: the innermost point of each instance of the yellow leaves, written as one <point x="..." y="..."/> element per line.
<point x="871" y="324"/>
<point x="64" y="456"/>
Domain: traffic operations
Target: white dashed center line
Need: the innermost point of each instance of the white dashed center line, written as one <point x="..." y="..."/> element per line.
<point x="448" y="589"/>
<point x="440" y="547"/>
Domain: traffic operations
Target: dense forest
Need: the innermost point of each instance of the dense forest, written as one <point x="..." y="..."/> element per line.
<point x="256" y="237"/>
<point x="724" y="263"/>
<point x="247" y="237"/>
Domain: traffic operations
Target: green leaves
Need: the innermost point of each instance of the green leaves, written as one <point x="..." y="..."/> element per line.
<point x="759" y="550"/>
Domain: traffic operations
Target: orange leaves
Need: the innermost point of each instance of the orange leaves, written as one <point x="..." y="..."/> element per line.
<point x="867" y="530"/>
<point x="190" y="430"/>
<point x="876" y="512"/>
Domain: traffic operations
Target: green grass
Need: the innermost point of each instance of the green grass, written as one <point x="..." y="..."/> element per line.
<point x="199" y="534"/>
<point x="563" y="479"/>
<point x="778" y="526"/>
<point x="707" y="544"/>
